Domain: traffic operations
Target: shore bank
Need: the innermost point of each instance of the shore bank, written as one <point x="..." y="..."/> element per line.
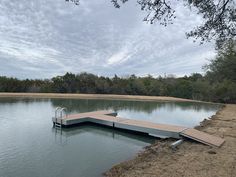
<point x="191" y="158"/>
<point x="96" y="96"/>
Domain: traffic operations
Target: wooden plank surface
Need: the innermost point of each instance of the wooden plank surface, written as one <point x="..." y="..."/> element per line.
<point x="163" y="127"/>
<point x="140" y="123"/>
<point x="86" y="114"/>
<point x="202" y="137"/>
<point x="183" y="131"/>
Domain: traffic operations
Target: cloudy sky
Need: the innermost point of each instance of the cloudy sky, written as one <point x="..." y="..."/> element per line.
<point x="45" y="38"/>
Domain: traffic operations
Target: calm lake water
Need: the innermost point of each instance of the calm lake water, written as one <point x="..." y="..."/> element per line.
<point x="30" y="147"/>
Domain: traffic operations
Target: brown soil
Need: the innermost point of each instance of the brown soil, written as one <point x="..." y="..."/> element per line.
<point x="191" y="159"/>
<point x="95" y="96"/>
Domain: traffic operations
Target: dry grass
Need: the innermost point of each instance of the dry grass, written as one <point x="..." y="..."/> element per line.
<point x="95" y="96"/>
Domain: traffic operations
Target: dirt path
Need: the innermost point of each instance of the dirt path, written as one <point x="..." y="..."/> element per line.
<point x="191" y="159"/>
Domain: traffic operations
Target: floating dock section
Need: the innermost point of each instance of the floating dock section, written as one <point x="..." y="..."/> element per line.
<point x="108" y="118"/>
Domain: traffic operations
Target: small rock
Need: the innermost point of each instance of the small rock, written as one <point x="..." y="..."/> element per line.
<point x="211" y="152"/>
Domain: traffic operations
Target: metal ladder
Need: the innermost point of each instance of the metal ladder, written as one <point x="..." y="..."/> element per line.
<point x="58" y="118"/>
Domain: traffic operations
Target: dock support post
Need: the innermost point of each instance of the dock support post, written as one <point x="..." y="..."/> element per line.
<point x="176" y="143"/>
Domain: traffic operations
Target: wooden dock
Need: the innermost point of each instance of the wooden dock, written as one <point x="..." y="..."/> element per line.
<point x="108" y="118"/>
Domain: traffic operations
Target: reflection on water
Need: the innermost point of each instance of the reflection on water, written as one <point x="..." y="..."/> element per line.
<point x="29" y="146"/>
<point x="62" y="136"/>
<point x="84" y="105"/>
<point x="118" y="105"/>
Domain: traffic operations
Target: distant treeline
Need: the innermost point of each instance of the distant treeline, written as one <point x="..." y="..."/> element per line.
<point x="218" y="84"/>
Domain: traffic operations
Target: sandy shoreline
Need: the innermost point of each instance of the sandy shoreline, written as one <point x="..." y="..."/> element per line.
<point x="96" y="96"/>
<point x="191" y="158"/>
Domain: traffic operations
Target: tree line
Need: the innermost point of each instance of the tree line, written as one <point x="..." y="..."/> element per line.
<point x="218" y="84"/>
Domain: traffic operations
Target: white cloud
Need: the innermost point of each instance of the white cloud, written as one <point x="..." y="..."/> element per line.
<point x="47" y="37"/>
<point x="118" y="58"/>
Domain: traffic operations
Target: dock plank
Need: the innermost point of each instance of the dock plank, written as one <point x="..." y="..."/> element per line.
<point x="202" y="137"/>
<point x="163" y="127"/>
<point x="87" y="114"/>
<point x="109" y="118"/>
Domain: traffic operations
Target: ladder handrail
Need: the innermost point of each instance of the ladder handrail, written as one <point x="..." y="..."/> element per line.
<point x="63" y="110"/>
<point x="58" y="118"/>
<point x="56" y="110"/>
